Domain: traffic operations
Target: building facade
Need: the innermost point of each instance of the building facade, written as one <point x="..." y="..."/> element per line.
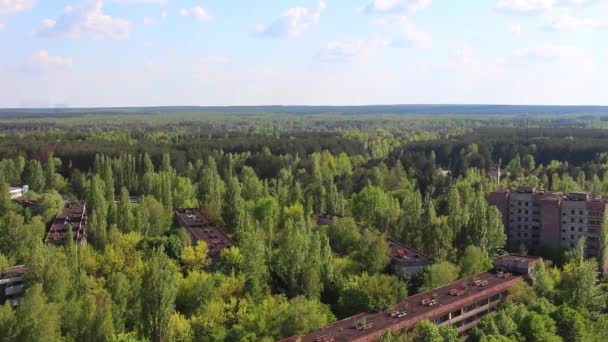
<point x="551" y="218"/>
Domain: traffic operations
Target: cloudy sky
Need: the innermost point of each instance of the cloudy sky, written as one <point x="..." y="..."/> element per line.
<point x="330" y="52"/>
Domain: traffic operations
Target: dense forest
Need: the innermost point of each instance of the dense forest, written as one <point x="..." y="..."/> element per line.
<point x="420" y="180"/>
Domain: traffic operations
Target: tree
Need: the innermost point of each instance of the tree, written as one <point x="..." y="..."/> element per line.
<point x="34" y="176"/>
<point x="439" y="274"/>
<point x="125" y="221"/>
<point x="8" y="323"/>
<point x="344" y="235"/>
<point x="38" y="320"/>
<point x="255" y="260"/>
<point x="571" y="325"/>
<point x="543" y="282"/>
<point x="195" y="257"/>
<point x="426" y="331"/>
<point x="372" y="252"/>
<point x="234" y="207"/>
<point x="211" y="189"/>
<point x="366" y="292"/>
<point x="473" y="261"/>
<point x="98" y="212"/>
<point x="158" y="297"/>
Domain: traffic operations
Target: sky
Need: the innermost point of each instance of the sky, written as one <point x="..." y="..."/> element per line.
<point x="101" y="53"/>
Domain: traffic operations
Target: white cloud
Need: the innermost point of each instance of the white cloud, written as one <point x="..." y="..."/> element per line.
<point x="411" y="36"/>
<point x="525" y="6"/>
<point x="163" y="2"/>
<point x="195" y="12"/>
<point x="43" y="59"/>
<point x="515" y="29"/>
<point x="570" y="23"/>
<point x="148" y="21"/>
<point x="164" y="15"/>
<point x="85" y="21"/>
<point x="216" y="59"/>
<point x="293" y="23"/>
<point x="543" y="6"/>
<point x="341" y="52"/>
<point x="9" y="8"/>
<point x="552" y="52"/>
<point x="395" y="6"/>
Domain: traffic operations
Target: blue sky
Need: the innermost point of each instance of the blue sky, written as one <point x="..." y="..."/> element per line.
<point x="332" y="52"/>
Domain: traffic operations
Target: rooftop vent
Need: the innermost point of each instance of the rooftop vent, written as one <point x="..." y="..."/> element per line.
<point x="480" y="283"/>
<point x="428" y="302"/>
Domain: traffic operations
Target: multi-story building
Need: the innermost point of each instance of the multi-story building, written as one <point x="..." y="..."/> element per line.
<point x="12" y="284"/>
<point x="462" y="304"/>
<point x="201" y="227"/>
<point x="74" y="215"/>
<point x="404" y="260"/>
<point x="551" y="218"/>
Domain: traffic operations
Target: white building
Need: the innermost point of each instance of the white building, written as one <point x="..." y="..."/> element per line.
<point x="17" y="192"/>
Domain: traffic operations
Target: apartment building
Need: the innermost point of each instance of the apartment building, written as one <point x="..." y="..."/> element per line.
<point x="462" y="304"/>
<point x="551" y="218"/>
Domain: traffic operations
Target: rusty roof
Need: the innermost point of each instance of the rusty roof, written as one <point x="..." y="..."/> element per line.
<point x="74" y="214"/>
<point x="446" y="298"/>
<point x="404" y="254"/>
<point x="14" y="271"/>
<point x="201" y="227"/>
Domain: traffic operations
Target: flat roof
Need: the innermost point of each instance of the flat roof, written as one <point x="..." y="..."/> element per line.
<point x="74" y="214"/>
<point x="405" y="254"/>
<point x="448" y="298"/>
<point x="201" y="227"/>
<point x="14" y="271"/>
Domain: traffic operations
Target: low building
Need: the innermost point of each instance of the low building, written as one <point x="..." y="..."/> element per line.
<point x="515" y="263"/>
<point x="12" y="284"/>
<point x="201" y="227"/>
<point x="462" y="304"/>
<point x="404" y="260"/>
<point x="74" y="215"/>
<point x="18" y="191"/>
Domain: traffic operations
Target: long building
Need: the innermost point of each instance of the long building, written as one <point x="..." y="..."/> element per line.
<point x="404" y="260"/>
<point x="462" y="304"/>
<point x="12" y="284"/>
<point x="200" y="227"/>
<point x="74" y="215"/>
<point x="551" y="218"/>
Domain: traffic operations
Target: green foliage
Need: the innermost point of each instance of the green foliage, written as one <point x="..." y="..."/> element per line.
<point x="440" y="274"/>
<point x="158" y="296"/>
<point x="366" y="292"/>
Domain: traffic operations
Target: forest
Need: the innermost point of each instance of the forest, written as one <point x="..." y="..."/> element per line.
<point x="420" y="180"/>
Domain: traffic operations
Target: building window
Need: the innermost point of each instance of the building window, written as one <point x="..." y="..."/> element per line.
<point x="580" y="229"/>
<point x="572" y="212"/>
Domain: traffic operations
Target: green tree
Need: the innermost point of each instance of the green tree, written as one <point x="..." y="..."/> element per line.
<point x="38" y="320"/>
<point x="98" y="212"/>
<point x="473" y="261"/>
<point x="234" y="207"/>
<point x="372" y="252"/>
<point x="344" y="235"/>
<point x="426" y="331"/>
<point x="34" y="176"/>
<point x="440" y="274"/>
<point x="366" y="292"/>
<point x="158" y="297"/>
